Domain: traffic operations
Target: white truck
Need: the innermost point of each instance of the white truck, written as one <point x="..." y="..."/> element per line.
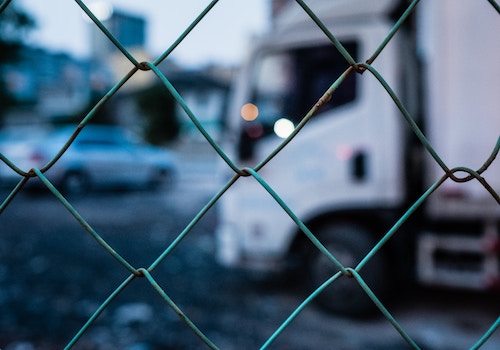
<point x="357" y="166"/>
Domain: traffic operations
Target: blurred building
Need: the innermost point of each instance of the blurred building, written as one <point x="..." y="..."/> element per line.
<point x="45" y="85"/>
<point x="206" y="95"/>
<point x="56" y="87"/>
<point x="130" y="31"/>
<point x="204" y="90"/>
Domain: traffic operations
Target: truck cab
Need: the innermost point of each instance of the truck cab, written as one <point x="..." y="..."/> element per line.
<point x="351" y="171"/>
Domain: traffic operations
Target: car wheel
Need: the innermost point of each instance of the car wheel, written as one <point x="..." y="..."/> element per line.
<point x="75" y="183"/>
<point x="349" y="243"/>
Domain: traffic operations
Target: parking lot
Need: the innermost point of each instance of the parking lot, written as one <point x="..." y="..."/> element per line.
<point x="53" y="276"/>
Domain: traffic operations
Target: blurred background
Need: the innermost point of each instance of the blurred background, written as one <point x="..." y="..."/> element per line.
<point x="55" y="65"/>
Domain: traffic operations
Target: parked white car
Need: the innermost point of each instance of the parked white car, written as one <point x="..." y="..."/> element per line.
<point x="100" y="157"/>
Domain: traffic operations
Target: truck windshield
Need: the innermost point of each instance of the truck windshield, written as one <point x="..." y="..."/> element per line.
<point x="286" y="85"/>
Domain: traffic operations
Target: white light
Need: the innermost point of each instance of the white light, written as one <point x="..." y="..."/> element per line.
<point x="283" y="127"/>
<point x="101" y="9"/>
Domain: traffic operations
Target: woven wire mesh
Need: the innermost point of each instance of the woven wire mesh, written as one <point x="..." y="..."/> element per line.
<point x="147" y="274"/>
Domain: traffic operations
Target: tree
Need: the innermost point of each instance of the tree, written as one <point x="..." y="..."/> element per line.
<point x="15" y="23"/>
<point x="160" y="120"/>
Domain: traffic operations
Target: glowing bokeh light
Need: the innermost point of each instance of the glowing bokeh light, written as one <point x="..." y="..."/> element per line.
<point x="283" y="127"/>
<point x="249" y="112"/>
<point x="101" y="9"/>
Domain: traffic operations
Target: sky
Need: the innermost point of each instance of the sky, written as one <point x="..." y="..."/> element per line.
<point x="222" y="37"/>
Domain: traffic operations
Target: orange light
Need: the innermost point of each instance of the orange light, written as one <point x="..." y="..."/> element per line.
<point x="249" y="112"/>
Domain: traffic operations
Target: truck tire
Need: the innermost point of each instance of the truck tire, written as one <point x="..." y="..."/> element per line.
<point x="349" y="243"/>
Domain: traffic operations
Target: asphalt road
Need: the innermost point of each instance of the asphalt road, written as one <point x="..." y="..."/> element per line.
<point x="54" y="275"/>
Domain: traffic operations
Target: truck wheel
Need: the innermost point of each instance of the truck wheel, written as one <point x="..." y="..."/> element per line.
<point x="349" y="243"/>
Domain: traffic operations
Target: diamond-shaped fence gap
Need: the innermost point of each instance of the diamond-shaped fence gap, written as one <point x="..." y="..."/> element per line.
<point x="327" y="96"/>
<point x="321" y="98"/>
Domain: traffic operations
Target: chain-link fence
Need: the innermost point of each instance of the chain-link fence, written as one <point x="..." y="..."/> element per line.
<point x="147" y="274"/>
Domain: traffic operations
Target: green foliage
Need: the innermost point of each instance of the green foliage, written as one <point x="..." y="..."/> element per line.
<point x="160" y="121"/>
<point x="14" y="25"/>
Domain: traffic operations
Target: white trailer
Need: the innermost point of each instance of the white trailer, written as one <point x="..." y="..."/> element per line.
<point x="356" y="167"/>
